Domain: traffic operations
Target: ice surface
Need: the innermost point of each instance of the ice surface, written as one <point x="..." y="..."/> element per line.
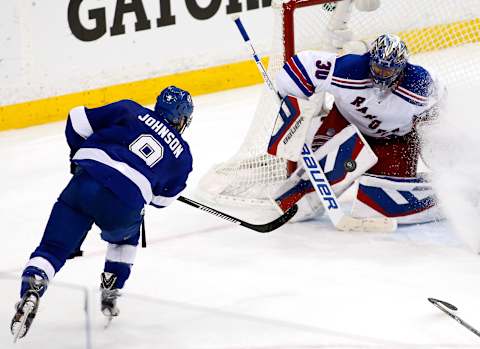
<point x="205" y="283"/>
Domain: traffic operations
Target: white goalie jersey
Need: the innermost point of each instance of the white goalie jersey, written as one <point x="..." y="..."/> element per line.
<point x="347" y="78"/>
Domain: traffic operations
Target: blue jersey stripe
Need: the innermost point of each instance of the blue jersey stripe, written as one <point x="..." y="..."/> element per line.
<point x="297" y="81"/>
<point x="351" y="87"/>
<point x="302" y="69"/>
<point x="409" y="100"/>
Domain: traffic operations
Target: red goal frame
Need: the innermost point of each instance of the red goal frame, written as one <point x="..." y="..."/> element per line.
<point x="289" y="25"/>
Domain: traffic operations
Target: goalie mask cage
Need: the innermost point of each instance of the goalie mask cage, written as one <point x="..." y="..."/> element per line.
<point x="442" y="35"/>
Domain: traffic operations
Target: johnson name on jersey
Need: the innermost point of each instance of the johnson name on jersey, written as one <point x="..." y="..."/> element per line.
<point x="347" y="78"/>
<point x="131" y="150"/>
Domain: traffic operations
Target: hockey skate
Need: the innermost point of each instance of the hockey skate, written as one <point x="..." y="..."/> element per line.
<point x="26" y="310"/>
<point x="109" y="296"/>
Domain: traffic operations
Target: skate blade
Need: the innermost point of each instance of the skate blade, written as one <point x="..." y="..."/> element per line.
<point x="17" y="331"/>
<point x="21" y="330"/>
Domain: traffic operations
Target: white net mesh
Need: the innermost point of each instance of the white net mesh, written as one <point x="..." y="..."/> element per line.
<point x="434" y="30"/>
<point x="252" y="175"/>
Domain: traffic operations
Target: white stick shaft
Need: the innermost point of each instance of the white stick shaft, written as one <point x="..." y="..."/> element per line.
<point x="257" y="60"/>
<point x="322" y="186"/>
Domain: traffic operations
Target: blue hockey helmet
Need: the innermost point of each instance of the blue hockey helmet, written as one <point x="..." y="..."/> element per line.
<point x="176" y="106"/>
<point x="388" y="58"/>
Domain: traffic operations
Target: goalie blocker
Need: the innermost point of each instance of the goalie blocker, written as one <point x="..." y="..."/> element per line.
<point x="345" y="158"/>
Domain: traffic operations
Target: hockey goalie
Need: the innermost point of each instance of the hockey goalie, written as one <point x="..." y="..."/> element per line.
<point x="369" y="136"/>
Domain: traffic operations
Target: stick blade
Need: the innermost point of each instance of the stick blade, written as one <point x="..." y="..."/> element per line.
<point x="275" y="224"/>
<point x="446" y="304"/>
<point x="372" y="225"/>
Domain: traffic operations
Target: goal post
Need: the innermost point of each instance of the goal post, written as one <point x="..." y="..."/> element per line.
<point x="442" y="35"/>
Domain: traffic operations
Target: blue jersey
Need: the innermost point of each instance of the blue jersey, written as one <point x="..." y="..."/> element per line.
<point x="131" y="150"/>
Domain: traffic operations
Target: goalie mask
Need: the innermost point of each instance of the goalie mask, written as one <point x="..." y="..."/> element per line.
<point x="176" y="106"/>
<point x="388" y="58"/>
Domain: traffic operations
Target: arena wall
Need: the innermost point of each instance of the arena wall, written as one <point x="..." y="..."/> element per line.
<point x="59" y="54"/>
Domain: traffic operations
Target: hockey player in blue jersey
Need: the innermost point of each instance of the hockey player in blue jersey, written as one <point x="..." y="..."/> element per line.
<point x="123" y="157"/>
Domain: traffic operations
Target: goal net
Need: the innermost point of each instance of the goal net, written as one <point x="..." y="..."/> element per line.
<point x="442" y="35"/>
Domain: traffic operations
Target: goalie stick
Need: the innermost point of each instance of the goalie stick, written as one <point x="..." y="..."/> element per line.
<point x="340" y="220"/>
<point x="261" y="228"/>
<point x="445" y="306"/>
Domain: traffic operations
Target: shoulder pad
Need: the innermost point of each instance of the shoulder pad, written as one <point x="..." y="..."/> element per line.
<point x="352" y="67"/>
<point x="416" y="86"/>
<point x="417" y="80"/>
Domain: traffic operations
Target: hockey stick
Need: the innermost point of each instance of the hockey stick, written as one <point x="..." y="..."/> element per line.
<point x="445" y="306"/>
<point x="340" y="220"/>
<point x="261" y="228"/>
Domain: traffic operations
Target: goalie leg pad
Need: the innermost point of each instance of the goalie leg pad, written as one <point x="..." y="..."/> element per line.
<point x="344" y="158"/>
<point x="293" y="190"/>
<point x="409" y="200"/>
